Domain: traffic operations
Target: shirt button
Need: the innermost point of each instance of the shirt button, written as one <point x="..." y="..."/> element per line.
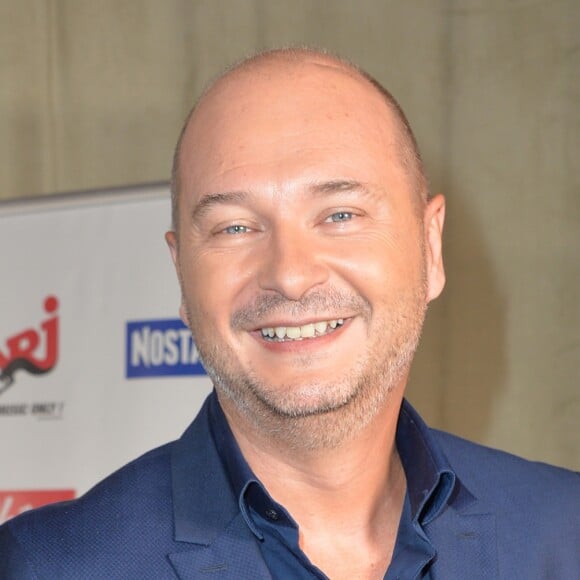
<point x="272" y="514"/>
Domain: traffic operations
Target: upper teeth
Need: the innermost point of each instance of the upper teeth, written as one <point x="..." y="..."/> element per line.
<point x="299" y="332"/>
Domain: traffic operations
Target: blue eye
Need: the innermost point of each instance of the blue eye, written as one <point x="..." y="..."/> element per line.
<point x="237" y="229"/>
<point x="340" y="216"/>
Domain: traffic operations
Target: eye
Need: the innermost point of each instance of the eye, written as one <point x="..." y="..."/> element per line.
<point x="236" y="229"/>
<point x="340" y="216"/>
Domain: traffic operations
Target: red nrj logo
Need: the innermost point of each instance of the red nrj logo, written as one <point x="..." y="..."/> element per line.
<point x="15" y="502"/>
<point x="24" y="350"/>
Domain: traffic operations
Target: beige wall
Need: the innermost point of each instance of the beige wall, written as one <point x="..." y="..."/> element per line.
<point x="92" y="94"/>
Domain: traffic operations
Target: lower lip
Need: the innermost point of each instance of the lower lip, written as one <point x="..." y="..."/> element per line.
<point x="282" y="346"/>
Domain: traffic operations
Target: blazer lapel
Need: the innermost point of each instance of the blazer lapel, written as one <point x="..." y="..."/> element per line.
<point x="212" y="538"/>
<point x="464" y="535"/>
<point x="233" y="555"/>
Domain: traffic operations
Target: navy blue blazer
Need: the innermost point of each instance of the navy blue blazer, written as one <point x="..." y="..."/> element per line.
<point x="171" y="514"/>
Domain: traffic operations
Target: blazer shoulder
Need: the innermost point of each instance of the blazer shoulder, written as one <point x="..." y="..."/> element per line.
<point x="507" y="517"/>
<point x="490" y="472"/>
<point x="129" y="508"/>
<point x="129" y="485"/>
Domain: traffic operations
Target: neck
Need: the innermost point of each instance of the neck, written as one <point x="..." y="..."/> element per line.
<point x="358" y="482"/>
<point x="347" y="499"/>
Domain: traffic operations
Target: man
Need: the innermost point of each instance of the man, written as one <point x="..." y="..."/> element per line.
<point x="307" y="248"/>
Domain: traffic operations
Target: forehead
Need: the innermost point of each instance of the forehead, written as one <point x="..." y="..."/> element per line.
<point x="290" y="120"/>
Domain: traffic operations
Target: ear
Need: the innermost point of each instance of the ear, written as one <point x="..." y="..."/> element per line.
<point x="433" y="231"/>
<point x="171" y="239"/>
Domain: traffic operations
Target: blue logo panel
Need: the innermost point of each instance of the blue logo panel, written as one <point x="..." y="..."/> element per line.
<point x="156" y="348"/>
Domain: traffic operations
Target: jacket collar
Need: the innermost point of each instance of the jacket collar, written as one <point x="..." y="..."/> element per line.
<point x="455" y="522"/>
<point x="207" y="520"/>
<point x="217" y="540"/>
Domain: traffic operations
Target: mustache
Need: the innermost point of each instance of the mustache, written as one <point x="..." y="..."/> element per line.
<point x="329" y="302"/>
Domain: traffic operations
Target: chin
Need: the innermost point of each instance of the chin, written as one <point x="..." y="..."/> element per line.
<point x="303" y="401"/>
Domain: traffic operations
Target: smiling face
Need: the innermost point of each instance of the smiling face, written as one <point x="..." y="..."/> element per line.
<point x="304" y="264"/>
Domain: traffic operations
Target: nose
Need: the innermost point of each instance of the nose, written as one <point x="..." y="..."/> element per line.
<point x="292" y="265"/>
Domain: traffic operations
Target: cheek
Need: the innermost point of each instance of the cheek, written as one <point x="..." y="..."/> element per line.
<point x="213" y="284"/>
<point x="380" y="266"/>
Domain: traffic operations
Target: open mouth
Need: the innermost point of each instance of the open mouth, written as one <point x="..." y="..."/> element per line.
<point x="311" y="330"/>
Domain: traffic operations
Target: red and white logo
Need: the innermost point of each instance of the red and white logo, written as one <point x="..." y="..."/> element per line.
<point x="32" y="350"/>
<point x="16" y="502"/>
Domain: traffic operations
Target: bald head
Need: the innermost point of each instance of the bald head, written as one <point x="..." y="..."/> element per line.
<point x="283" y="71"/>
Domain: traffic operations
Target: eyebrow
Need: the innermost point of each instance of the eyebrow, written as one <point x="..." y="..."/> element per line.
<point x="337" y="186"/>
<point x="212" y="199"/>
<point x="323" y="188"/>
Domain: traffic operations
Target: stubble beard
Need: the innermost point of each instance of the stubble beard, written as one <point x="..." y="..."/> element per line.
<point x="323" y="413"/>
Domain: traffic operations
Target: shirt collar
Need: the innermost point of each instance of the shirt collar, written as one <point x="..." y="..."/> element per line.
<point x="247" y="489"/>
<point x="236" y="467"/>
<point x="430" y="479"/>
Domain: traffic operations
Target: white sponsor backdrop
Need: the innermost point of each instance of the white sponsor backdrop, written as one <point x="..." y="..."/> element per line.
<point x="103" y="256"/>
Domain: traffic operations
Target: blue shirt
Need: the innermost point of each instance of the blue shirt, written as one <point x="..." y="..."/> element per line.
<point x="430" y="482"/>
